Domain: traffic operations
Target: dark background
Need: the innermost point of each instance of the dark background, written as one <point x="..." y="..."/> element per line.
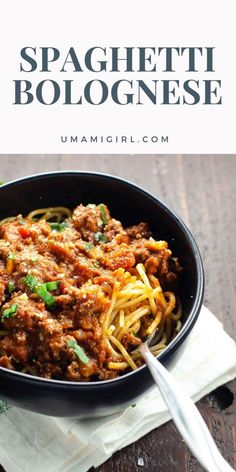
<point x="202" y="190"/>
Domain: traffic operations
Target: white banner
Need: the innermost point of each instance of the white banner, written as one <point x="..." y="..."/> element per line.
<point x="124" y="77"/>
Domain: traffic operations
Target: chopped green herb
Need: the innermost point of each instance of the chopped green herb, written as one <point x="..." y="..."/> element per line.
<point x="34" y="258"/>
<point x="52" y="285"/>
<point x="78" y="351"/>
<point x="59" y="226"/>
<point x="103" y="213"/>
<point x="11" y="256"/>
<point x="88" y="246"/>
<point x="133" y="405"/>
<point x="11" y="286"/>
<point x="43" y="293"/>
<point x="91" y="205"/>
<point x="31" y="282"/>
<point x="10" y="312"/>
<point x="100" y="237"/>
<point x="42" y="290"/>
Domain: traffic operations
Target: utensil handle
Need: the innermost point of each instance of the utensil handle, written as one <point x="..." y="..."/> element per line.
<point x="186" y="416"/>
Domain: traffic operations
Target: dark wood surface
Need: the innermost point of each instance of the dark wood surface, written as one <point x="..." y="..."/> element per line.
<point x="202" y="190"/>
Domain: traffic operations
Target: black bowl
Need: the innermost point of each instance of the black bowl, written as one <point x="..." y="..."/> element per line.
<point x="130" y="204"/>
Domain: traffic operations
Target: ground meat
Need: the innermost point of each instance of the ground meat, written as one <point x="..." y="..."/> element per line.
<point x="130" y="341"/>
<point x="119" y="257"/>
<point x="5" y="249"/>
<point x="114" y="229"/>
<point x="10" y="231"/>
<point x="5" y="361"/>
<point x="86" y="270"/>
<point x="90" y="300"/>
<point x="17" y="346"/>
<point x="29" y="313"/>
<point x="43" y="267"/>
<point x="3" y="285"/>
<point x="81" y="261"/>
<point x="140" y="251"/>
<point x="88" y="221"/>
<point x="139" y="231"/>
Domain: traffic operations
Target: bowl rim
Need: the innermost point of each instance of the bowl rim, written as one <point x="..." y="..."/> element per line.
<point x="192" y="317"/>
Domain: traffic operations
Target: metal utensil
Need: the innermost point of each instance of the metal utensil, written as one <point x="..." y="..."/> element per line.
<point x="185" y="414"/>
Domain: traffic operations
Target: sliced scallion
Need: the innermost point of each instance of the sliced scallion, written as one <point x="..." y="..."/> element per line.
<point x="52" y="285"/>
<point x="31" y="282"/>
<point x="59" y="226"/>
<point x="103" y="213"/>
<point x="10" y="312"/>
<point x="11" y="286"/>
<point x="78" y="351"/>
<point x="42" y="290"/>
<point x="46" y="296"/>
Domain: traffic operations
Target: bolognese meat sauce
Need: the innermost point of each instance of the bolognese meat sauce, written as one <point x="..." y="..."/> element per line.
<point x="56" y="284"/>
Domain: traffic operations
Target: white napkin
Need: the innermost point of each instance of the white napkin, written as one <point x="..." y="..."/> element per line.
<point x="31" y="442"/>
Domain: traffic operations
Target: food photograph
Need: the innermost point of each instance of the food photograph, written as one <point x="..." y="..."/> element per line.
<point x="117" y="317"/>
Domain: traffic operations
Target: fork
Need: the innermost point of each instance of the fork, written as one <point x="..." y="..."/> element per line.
<point x="185" y="414"/>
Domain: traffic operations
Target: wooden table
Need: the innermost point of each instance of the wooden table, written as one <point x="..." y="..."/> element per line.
<point x="202" y="190"/>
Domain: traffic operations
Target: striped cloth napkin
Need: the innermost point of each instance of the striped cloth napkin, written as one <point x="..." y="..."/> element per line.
<point x="32" y="442"/>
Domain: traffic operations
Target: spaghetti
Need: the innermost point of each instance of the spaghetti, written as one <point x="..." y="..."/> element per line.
<point x="79" y="293"/>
